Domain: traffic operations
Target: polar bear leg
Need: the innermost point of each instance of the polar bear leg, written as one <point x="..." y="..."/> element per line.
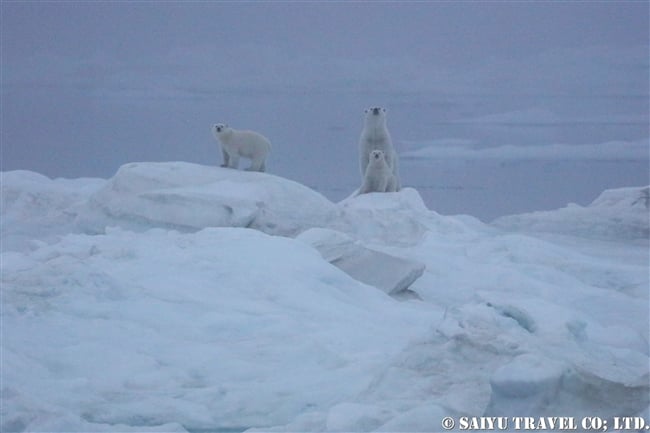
<point x="257" y="164"/>
<point x="383" y="185"/>
<point x="365" y="188"/>
<point x="391" y="184"/>
<point x="233" y="161"/>
<point x="226" y="158"/>
<point x="373" y="185"/>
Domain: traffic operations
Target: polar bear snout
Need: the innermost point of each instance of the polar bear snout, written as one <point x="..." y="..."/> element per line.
<point x="375" y="111"/>
<point x="376" y="154"/>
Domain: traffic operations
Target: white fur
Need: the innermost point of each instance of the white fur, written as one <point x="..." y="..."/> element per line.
<point x="247" y="144"/>
<point x="378" y="176"/>
<point x="375" y="136"/>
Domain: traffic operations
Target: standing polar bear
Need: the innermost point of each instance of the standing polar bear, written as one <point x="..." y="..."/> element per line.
<point x="236" y="143"/>
<point x="375" y="136"/>
<point x="378" y="176"/>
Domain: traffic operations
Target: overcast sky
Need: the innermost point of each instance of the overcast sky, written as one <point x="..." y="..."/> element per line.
<point x="88" y="86"/>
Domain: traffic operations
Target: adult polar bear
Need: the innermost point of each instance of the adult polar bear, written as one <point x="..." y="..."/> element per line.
<point x="236" y="143"/>
<point x="375" y="136"/>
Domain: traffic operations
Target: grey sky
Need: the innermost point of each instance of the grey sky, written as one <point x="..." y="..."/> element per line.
<point x="88" y="86"/>
<point x="462" y="32"/>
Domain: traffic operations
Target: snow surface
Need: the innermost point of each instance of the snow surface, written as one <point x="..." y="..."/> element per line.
<point x="616" y="214"/>
<point x="176" y="297"/>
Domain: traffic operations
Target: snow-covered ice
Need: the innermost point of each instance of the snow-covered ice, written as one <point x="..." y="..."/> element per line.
<point x="616" y="214"/>
<point x="162" y="326"/>
<point x="180" y="297"/>
<point x="36" y="207"/>
<point x="188" y="197"/>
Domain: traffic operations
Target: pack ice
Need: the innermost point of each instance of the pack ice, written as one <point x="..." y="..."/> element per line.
<point x="178" y="297"/>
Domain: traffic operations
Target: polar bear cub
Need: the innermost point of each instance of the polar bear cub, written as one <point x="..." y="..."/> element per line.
<point x="378" y="176"/>
<point x="238" y="143"/>
<point x="375" y="136"/>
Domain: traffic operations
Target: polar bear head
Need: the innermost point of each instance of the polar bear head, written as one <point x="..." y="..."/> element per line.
<point x="375" y="116"/>
<point x="220" y="129"/>
<point x="377" y="157"/>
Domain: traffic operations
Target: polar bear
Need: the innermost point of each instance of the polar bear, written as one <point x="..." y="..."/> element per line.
<point x="378" y="176"/>
<point x="236" y="143"/>
<point x="375" y="136"/>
